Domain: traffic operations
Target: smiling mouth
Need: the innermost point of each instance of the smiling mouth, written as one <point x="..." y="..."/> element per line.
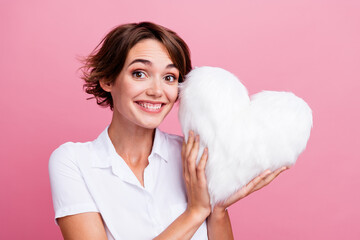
<point x="152" y="107"/>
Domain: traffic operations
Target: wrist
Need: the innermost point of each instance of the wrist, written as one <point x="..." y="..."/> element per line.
<point x="198" y="214"/>
<point x="219" y="212"/>
<point x="219" y="209"/>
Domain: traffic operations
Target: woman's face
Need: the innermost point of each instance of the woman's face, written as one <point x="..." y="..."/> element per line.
<point x="147" y="87"/>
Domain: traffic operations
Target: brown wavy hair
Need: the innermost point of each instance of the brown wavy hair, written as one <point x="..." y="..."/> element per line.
<point x="107" y="59"/>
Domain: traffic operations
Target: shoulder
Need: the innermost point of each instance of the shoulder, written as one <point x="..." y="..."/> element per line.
<point x="67" y="155"/>
<point x="173" y="139"/>
<point x="170" y="146"/>
<point x="70" y="149"/>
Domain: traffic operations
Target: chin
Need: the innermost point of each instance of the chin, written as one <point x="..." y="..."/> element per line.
<point x="153" y="122"/>
<point x="150" y="125"/>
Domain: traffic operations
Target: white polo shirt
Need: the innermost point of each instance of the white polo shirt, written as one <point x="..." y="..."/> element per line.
<point x="92" y="177"/>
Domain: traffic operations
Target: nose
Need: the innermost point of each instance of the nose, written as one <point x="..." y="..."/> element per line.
<point x="155" y="89"/>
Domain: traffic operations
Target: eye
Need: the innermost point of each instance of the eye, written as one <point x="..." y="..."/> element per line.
<point x="138" y="74"/>
<point x="170" y="78"/>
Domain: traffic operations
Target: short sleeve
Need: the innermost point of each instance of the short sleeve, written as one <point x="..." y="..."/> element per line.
<point x="69" y="191"/>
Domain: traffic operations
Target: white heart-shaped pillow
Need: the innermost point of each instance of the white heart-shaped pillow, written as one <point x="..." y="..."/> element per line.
<point x="245" y="136"/>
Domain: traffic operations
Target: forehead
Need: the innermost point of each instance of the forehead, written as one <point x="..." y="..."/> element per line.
<point x="149" y="49"/>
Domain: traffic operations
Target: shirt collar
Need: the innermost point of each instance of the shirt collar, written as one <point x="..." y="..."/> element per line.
<point x="106" y="152"/>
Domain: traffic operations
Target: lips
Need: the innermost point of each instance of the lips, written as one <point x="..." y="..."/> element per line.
<point x="150" y="106"/>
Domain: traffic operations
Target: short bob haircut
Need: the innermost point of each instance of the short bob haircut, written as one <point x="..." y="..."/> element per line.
<point x="107" y="60"/>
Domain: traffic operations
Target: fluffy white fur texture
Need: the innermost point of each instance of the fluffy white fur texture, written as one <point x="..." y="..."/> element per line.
<point x="245" y="136"/>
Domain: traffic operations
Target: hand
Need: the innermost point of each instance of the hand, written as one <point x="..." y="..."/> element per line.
<point x="257" y="183"/>
<point x="195" y="179"/>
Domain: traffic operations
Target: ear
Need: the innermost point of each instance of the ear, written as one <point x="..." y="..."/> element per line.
<point x="105" y="85"/>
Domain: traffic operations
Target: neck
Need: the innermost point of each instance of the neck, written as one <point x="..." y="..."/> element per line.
<point x="132" y="142"/>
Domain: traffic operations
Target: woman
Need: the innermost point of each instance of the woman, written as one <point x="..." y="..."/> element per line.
<point x="130" y="182"/>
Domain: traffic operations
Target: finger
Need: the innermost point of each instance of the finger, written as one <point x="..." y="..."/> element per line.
<point x="183" y="148"/>
<point x="189" y="144"/>
<point x="280" y="170"/>
<point x="273" y="175"/>
<point x="246" y="190"/>
<point x="243" y="192"/>
<point x="269" y="178"/>
<point x="191" y="160"/>
<point x="184" y="166"/>
<point x="200" y="169"/>
<point x="257" y="180"/>
<point x="251" y="187"/>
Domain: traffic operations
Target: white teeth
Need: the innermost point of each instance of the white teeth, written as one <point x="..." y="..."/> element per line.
<point x="150" y="106"/>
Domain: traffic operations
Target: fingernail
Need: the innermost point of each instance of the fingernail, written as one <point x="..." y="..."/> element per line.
<point x="197" y="138"/>
<point x="190" y="133"/>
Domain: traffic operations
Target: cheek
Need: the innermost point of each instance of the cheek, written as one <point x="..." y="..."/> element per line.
<point x="127" y="91"/>
<point x="172" y="92"/>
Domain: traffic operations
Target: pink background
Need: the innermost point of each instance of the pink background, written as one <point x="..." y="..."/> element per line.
<point x="311" y="48"/>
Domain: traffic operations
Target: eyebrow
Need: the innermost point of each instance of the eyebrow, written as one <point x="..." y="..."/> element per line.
<point x="147" y="62"/>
